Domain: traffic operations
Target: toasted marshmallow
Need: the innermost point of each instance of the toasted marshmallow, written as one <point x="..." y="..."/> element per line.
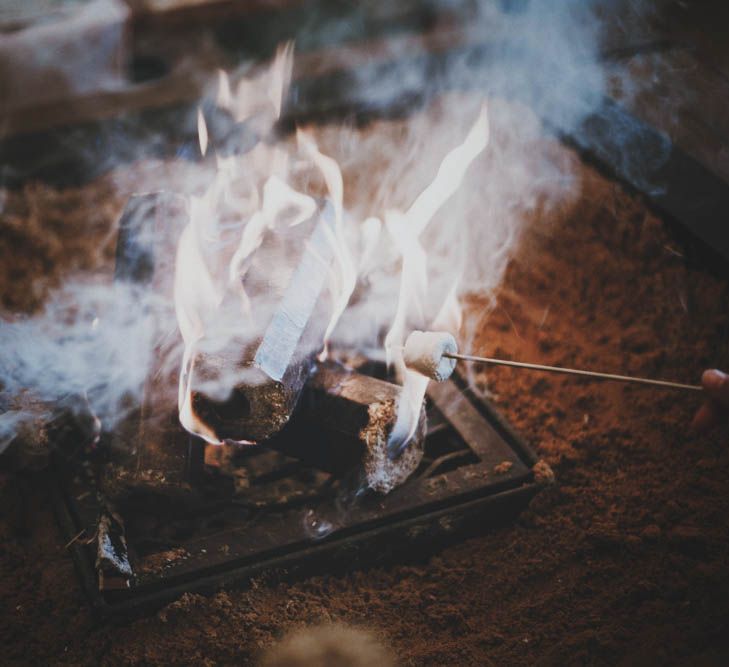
<point x="424" y="352"/>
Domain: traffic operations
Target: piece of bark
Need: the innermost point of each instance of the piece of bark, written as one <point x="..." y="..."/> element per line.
<point x="344" y="422"/>
<point x="269" y="372"/>
<point x="112" y="558"/>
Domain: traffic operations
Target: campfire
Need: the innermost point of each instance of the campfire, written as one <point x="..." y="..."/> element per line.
<point x="258" y="298"/>
<point x="279" y="401"/>
<point x="281" y="338"/>
<point x="263" y="274"/>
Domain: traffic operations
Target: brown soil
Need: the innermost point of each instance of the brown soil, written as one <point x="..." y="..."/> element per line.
<point x="624" y="560"/>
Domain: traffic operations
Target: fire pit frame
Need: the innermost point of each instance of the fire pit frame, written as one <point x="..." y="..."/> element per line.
<point x="427" y="513"/>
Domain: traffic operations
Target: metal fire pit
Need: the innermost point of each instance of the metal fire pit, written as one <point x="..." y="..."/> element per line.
<point x="290" y="520"/>
<point x="190" y="527"/>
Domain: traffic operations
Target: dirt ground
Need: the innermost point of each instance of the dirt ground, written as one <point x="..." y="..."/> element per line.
<point x="623" y="561"/>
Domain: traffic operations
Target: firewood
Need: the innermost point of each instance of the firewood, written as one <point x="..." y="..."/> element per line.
<point x="344" y="422"/>
<point x="112" y="558"/>
<point x="272" y="369"/>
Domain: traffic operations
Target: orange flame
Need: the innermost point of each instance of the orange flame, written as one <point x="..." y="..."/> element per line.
<point x="202" y="132"/>
<point x="345" y="285"/>
<point x="200" y="286"/>
<point x="406" y="230"/>
<point x="252" y="194"/>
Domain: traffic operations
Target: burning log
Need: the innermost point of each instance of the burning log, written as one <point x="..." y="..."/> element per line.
<point x="269" y="373"/>
<point x="256" y="408"/>
<point x="344" y="422"/>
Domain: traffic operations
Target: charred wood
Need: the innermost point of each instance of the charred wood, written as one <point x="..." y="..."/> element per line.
<point x="344" y="422"/>
<point x="256" y="384"/>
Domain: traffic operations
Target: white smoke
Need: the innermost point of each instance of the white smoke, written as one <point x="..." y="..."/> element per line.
<point x="61" y="50"/>
<point x="537" y="63"/>
<point x="92" y="341"/>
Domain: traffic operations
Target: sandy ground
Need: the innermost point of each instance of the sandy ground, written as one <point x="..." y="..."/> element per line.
<point x="622" y="561"/>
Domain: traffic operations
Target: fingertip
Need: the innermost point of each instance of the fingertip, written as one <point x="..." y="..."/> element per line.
<point x="713" y="379"/>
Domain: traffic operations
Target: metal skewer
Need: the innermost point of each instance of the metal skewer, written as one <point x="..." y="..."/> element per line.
<point x="573" y="371"/>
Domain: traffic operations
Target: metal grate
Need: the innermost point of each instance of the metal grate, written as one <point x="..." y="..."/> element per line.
<point x="275" y="515"/>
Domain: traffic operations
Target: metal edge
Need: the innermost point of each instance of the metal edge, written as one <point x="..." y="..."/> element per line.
<point x="430" y="532"/>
